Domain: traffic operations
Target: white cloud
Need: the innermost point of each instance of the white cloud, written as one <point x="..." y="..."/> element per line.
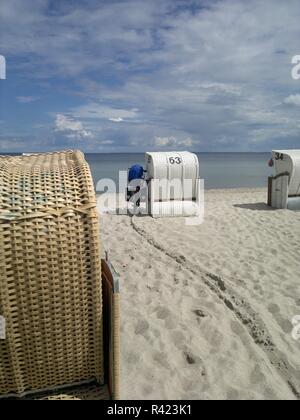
<point x="107" y="142"/>
<point x="26" y="99"/>
<point x="292" y="100"/>
<point x="217" y="71"/>
<point x="172" y="142"/>
<point x="116" y="120"/>
<point x="226" y="88"/>
<point x="96" y="111"/>
<point x="71" y="128"/>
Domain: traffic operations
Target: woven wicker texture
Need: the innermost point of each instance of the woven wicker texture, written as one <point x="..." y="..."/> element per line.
<point x="92" y="392"/>
<point x="86" y="393"/>
<point x="50" y="273"/>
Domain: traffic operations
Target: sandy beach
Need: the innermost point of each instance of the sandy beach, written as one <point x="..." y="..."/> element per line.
<point x="207" y="310"/>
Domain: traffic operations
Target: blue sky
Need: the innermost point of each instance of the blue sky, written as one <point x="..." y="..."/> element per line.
<point x="127" y="76"/>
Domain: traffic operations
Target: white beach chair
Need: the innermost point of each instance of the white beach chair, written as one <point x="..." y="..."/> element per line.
<point x="174" y="184"/>
<point x="284" y="187"/>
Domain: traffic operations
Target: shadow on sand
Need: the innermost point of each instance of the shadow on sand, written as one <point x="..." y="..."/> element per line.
<point x="125" y="212"/>
<point x="255" y="207"/>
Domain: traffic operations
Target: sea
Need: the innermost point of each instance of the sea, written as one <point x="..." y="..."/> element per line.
<point x="219" y="170"/>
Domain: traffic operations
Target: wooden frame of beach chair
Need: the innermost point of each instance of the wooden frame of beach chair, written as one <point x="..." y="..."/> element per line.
<point x="111" y="328"/>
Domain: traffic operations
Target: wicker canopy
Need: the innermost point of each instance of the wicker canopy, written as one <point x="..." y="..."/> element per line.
<point x="50" y="274"/>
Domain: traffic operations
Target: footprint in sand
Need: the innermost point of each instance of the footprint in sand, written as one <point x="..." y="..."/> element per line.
<point x="142" y="327"/>
<point x="133" y="358"/>
<point x="178" y="338"/>
<point x="171" y="324"/>
<point x="200" y="314"/>
<point x="195" y="362"/>
<point x="147" y="389"/>
<point x="232" y="394"/>
<point x="273" y="309"/>
<point x="162" y="313"/>
<point x="161" y="359"/>
<point x="284" y="323"/>
<point x="237" y="328"/>
<point x="257" y="376"/>
<point x="189" y="358"/>
<point x="215" y="339"/>
<point x="157" y="275"/>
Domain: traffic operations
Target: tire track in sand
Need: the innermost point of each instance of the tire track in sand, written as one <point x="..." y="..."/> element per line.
<point x="242" y="310"/>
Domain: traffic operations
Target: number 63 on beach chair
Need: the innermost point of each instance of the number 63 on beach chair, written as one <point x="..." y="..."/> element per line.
<point x="59" y="302"/>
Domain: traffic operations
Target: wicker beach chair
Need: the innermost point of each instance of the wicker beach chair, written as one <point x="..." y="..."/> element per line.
<point x="59" y="302"/>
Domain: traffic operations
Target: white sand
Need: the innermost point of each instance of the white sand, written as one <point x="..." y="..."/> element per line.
<point x="207" y="310"/>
